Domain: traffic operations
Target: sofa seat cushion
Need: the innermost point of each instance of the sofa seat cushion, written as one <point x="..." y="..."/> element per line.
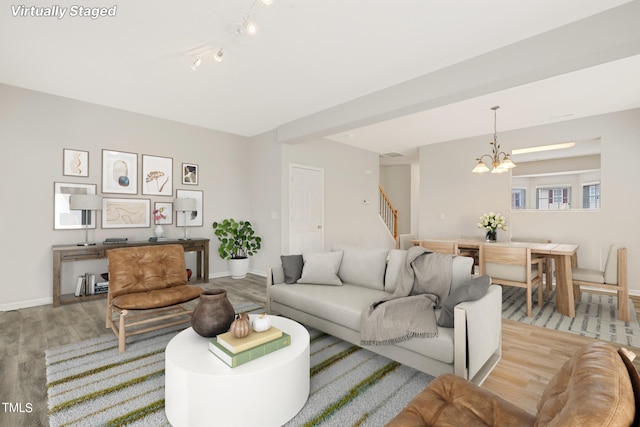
<point x="157" y="298"/>
<point x="450" y="401"/>
<point x="343" y="305"/>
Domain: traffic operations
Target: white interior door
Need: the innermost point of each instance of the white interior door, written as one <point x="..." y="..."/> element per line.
<point x="306" y="207"/>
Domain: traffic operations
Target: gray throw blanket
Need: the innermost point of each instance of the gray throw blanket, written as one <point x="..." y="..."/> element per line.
<point x="424" y="283"/>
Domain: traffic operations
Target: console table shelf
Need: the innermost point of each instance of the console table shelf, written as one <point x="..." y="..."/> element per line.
<point x="70" y="253"/>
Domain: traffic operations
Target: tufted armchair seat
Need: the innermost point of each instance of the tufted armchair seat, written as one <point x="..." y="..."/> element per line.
<point x="597" y="386"/>
<point x="152" y="282"/>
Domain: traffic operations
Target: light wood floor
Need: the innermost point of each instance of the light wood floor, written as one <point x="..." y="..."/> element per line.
<point x="531" y="355"/>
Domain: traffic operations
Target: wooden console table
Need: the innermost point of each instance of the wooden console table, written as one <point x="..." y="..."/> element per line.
<point x="69" y="253"/>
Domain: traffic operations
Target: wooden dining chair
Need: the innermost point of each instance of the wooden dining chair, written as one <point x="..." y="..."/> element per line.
<point x="440" y="246"/>
<point x="613" y="278"/>
<point x="471" y="252"/>
<point x="512" y="266"/>
<point x="405" y="241"/>
<point x="547" y="264"/>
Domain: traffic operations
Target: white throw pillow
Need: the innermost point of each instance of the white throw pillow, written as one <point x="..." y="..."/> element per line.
<point x="321" y="268"/>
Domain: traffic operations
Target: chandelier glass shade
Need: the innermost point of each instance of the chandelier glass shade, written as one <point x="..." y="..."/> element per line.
<point x="499" y="160"/>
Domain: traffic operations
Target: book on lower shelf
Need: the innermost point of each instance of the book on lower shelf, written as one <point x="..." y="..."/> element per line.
<point x="236" y="345"/>
<point x="237" y="359"/>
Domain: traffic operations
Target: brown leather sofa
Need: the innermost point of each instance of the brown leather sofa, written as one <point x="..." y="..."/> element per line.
<point x="150" y="282"/>
<point x="597" y="387"/>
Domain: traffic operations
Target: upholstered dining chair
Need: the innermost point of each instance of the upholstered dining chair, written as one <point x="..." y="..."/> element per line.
<point x="405" y="241"/>
<point x="512" y="266"/>
<point x="613" y="278"/>
<point x="440" y="246"/>
<point x="547" y="264"/>
<point x="147" y="284"/>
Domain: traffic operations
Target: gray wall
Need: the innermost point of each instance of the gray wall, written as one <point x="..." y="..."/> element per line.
<point x="466" y="196"/>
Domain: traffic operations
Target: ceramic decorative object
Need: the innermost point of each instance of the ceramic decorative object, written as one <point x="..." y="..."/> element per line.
<point x="158" y="231"/>
<point x="261" y="323"/>
<point x="214" y="313"/>
<point x="241" y="327"/>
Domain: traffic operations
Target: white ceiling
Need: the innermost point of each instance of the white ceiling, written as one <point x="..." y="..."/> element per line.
<point x="308" y="56"/>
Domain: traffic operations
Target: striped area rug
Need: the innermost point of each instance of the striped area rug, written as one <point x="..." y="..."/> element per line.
<point x="596" y="316"/>
<point x="91" y="384"/>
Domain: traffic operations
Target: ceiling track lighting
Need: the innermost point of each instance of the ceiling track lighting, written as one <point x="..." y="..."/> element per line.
<point x="246" y="26"/>
<point x="499" y="160"/>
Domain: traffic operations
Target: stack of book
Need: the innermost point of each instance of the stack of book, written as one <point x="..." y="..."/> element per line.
<point x="237" y="351"/>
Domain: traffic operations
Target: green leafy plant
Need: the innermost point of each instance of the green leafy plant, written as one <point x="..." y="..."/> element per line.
<point x="237" y="239"/>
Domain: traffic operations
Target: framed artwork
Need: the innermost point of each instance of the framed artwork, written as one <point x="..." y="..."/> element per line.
<point x="194" y="218"/>
<point x="157" y="175"/>
<point x="126" y="213"/>
<point x="163" y="209"/>
<point x="63" y="217"/>
<point x="119" y="172"/>
<point x="75" y="162"/>
<point x="190" y="174"/>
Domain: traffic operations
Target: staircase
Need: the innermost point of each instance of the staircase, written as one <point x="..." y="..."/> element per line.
<point x="388" y="214"/>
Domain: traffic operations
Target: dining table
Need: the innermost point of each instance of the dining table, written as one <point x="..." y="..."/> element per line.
<point x="562" y="253"/>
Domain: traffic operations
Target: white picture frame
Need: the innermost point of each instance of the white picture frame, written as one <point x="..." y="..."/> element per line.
<point x="157" y="175"/>
<point x="63" y="217"/>
<point x="75" y="162"/>
<point x="119" y="172"/>
<point x="126" y="213"/>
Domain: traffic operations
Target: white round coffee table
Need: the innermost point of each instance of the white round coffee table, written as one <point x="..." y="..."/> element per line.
<point x="201" y="390"/>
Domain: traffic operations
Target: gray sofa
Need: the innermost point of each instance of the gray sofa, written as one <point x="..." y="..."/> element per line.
<point x="341" y="284"/>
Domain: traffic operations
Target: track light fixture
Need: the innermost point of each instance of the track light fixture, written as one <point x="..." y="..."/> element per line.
<point x="218" y="56"/>
<point x="246" y="26"/>
<point x="196" y="63"/>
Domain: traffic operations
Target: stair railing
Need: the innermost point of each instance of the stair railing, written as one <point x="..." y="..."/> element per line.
<point x="388" y="213"/>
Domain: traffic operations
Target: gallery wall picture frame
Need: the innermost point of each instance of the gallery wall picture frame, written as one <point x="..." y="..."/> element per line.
<point x="157" y="175"/>
<point x="194" y="218"/>
<point x="119" y="172"/>
<point x="190" y="174"/>
<point x="166" y="209"/>
<point x="126" y="213"/>
<point x="75" y="162"/>
<point x="65" y="218"/>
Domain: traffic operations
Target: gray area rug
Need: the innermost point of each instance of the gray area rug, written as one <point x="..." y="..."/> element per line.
<point x="91" y="384"/>
<point x="596" y="316"/>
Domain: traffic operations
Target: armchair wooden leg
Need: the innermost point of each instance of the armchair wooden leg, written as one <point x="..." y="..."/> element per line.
<point x="121" y="332"/>
<point x="623" y="305"/>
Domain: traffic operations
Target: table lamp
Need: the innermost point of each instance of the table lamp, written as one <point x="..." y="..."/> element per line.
<point x="185" y="205"/>
<point x="86" y="203"/>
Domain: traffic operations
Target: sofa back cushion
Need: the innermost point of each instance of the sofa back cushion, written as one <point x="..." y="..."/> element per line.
<point x="363" y="267"/>
<point x="593" y="388"/>
<point x="321" y="268"/>
<point x="395" y="263"/>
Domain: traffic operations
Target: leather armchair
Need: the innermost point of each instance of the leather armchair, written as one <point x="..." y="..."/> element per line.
<point x="151" y="281"/>
<point x="596" y="387"/>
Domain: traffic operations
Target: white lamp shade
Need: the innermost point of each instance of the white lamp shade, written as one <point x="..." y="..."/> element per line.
<point x="184" y="204"/>
<point x="85" y="202"/>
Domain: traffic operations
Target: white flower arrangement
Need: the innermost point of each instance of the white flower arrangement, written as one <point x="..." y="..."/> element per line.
<point x="492" y="222"/>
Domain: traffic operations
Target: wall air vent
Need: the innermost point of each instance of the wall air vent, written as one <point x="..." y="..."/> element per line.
<point x="391" y="155"/>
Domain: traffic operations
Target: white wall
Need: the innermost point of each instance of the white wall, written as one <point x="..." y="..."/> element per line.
<point x="34" y="129"/>
<point x="351" y="174"/>
<point x="450" y="188"/>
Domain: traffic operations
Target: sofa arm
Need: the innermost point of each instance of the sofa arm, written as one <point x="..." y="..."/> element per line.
<point x="478" y="335"/>
<point x="275" y="275"/>
<point x="452" y="401"/>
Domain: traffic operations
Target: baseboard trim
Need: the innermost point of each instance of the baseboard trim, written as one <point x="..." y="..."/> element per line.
<point x="26" y="304"/>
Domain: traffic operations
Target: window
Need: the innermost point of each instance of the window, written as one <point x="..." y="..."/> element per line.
<point x="518" y="198"/>
<point x="552" y="198"/>
<point x="591" y="196"/>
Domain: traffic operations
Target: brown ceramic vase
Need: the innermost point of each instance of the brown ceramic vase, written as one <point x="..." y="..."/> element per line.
<point x="213" y="314"/>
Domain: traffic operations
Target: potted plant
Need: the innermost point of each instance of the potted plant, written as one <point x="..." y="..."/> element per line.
<point x="238" y="242"/>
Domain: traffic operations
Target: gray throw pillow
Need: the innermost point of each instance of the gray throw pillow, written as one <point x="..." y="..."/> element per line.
<point x="292" y="267"/>
<point x="471" y="290"/>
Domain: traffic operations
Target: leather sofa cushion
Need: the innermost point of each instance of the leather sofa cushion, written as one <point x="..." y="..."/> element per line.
<point x="592" y="388"/>
<point x="451" y="401"/>
<point x="145" y="268"/>
<point x="157" y="298"/>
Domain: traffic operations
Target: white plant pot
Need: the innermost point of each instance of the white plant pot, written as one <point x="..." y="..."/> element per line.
<point x="238" y="268"/>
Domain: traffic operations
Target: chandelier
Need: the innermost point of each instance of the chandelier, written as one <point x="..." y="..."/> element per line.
<point x="500" y="160"/>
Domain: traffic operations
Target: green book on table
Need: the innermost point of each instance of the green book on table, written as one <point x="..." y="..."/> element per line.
<point x="237" y="359"/>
